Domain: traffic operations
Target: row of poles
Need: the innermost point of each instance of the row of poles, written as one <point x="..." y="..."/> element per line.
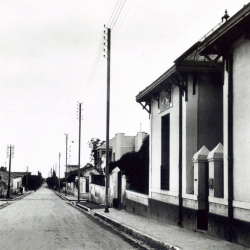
<point x="107" y="37"/>
<point x="10" y="148"/>
<point x="79" y="155"/>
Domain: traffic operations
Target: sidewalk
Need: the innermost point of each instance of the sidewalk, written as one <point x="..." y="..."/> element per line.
<point x="15" y="197"/>
<point x="5" y="201"/>
<point x="3" y="204"/>
<point x="68" y="197"/>
<point x="157" y="234"/>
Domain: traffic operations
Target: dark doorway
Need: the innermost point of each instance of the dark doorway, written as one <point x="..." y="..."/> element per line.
<point x="165" y="147"/>
<point x="202" y="215"/>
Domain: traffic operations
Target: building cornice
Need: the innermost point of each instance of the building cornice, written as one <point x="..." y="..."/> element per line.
<point x="235" y="27"/>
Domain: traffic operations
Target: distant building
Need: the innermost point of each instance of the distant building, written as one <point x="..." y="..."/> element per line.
<point x="15" y="179"/>
<point x="71" y="168"/>
<point x="119" y="145"/>
<point x="17" y="183"/>
<point x="85" y="172"/>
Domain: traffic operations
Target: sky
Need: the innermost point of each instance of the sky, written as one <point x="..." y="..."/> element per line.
<point x="51" y="57"/>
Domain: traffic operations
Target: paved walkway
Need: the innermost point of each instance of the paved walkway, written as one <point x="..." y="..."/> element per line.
<point x="157" y="233"/>
<point x="69" y="197"/>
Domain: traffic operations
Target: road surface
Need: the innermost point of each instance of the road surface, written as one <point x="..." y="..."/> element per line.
<point x="43" y="221"/>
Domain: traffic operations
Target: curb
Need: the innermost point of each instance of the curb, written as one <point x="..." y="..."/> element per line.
<point x="61" y="196"/>
<point x="22" y="196"/>
<point x="65" y="198"/>
<point x="149" y="240"/>
<point x="4" y="205"/>
<point x="123" y="229"/>
<point x="84" y="208"/>
<point x="15" y="199"/>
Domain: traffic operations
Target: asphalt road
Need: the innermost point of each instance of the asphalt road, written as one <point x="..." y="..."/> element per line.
<point x="43" y="221"/>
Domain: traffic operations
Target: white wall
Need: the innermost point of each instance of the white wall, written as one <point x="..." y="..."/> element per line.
<point x="97" y="193"/>
<point x="156" y="144"/>
<point x="17" y="183"/>
<point x="139" y="140"/>
<point x="122" y="144"/>
<point x="241" y="120"/>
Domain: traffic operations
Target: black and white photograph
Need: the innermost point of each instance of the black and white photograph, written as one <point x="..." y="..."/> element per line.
<point x="124" y="124"/>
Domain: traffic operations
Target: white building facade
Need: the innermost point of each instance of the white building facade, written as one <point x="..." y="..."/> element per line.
<point x="199" y="145"/>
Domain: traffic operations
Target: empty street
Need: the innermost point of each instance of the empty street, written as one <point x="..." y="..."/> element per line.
<point x="43" y="221"/>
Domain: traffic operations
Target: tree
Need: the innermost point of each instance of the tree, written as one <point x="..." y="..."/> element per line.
<point x="39" y="173"/>
<point x="53" y="180"/>
<point x="94" y="143"/>
<point x="34" y="181"/>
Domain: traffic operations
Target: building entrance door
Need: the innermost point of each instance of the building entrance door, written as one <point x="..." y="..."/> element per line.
<point x="202" y="215"/>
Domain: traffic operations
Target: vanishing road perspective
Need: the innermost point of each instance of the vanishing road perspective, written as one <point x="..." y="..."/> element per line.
<point x="42" y="220"/>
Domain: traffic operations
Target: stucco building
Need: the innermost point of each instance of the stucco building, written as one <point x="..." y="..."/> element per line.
<point x="199" y="138"/>
<point x="15" y="179"/>
<point x="232" y="210"/>
<point x="119" y="145"/>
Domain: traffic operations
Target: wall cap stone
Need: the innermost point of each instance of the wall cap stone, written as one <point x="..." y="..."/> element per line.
<point x="217" y="153"/>
<point x="201" y="155"/>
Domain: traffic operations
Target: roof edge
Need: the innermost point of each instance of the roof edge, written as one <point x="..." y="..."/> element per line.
<point x="159" y="80"/>
<point x="235" y="19"/>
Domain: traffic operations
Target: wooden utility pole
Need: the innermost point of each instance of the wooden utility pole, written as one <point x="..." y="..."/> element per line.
<point x="8" y="192"/>
<point x="79" y="149"/>
<point x="59" y="172"/>
<point x="27" y="178"/>
<point x="66" y="164"/>
<point x="53" y="177"/>
<point x="55" y="174"/>
<point x="107" y="119"/>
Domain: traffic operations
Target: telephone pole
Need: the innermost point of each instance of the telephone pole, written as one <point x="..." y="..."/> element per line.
<point x="108" y="33"/>
<point x="66" y="164"/>
<point x="10" y="154"/>
<point x="79" y="149"/>
<point x="27" y="178"/>
<point x="59" y="171"/>
<point x="53" y="174"/>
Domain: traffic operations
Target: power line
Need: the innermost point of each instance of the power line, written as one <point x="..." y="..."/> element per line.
<point x="108" y="23"/>
<point x="114" y="19"/>
<point x="114" y="16"/>
<point x="95" y="65"/>
<point x="126" y="13"/>
<point x="117" y="16"/>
